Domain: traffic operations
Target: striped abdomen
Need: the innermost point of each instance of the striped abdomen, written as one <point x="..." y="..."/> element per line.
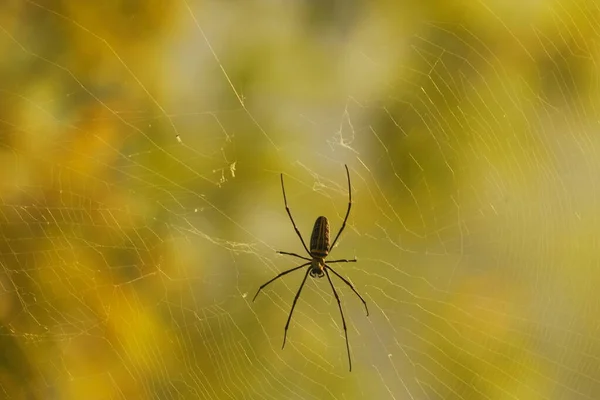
<point x="319" y="240"/>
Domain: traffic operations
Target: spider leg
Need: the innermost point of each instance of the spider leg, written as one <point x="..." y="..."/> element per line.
<point x="327" y="267"/>
<point x="343" y="319"/>
<point x="339" y="261"/>
<point x="347" y="212"/>
<point x="278" y="276"/>
<point x="294" y="254"/>
<point x="291" y="218"/>
<point x="287" y="324"/>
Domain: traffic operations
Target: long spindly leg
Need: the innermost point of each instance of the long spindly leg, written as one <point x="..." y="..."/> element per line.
<point x="291" y="218"/>
<point x="294" y="254"/>
<point x="343" y="319"/>
<point x="287" y="324"/>
<point x="339" y="261"/>
<point x="327" y="267"/>
<point x="279" y="276"/>
<point x="347" y="212"/>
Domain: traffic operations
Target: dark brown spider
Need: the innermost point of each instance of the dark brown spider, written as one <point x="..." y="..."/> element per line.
<point x="319" y="249"/>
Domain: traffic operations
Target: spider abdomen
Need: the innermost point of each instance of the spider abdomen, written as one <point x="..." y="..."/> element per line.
<point x="319" y="240"/>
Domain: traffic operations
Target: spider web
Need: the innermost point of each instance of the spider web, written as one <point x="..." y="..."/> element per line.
<point x="140" y="206"/>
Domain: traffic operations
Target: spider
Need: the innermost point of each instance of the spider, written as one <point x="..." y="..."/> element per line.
<point x="319" y="250"/>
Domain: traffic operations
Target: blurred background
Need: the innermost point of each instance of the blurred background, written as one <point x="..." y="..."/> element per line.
<point x="141" y="144"/>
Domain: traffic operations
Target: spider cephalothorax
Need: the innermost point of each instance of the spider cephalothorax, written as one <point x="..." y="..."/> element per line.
<point x="319" y="250"/>
<point x="317" y="267"/>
